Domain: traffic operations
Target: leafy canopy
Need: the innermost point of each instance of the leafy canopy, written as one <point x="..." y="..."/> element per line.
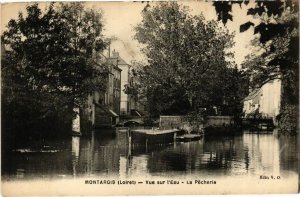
<point x="277" y="56"/>
<point x="52" y="51"/>
<point x="187" y="59"/>
<point x="50" y="62"/>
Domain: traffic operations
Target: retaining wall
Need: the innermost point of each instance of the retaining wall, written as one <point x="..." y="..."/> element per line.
<point x="219" y="121"/>
<point x="171" y="122"/>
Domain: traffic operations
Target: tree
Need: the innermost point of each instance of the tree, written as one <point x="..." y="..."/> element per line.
<point x="50" y="62"/>
<point x="187" y="59"/>
<point x="278" y="52"/>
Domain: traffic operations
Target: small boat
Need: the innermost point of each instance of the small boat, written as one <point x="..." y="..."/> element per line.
<point x="189" y="137"/>
<point x="154" y="136"/>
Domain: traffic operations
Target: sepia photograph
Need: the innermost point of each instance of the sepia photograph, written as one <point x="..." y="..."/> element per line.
<point x="149" y="98"/>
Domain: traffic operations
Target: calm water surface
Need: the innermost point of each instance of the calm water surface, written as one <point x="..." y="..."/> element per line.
<point x="107" y="153"/>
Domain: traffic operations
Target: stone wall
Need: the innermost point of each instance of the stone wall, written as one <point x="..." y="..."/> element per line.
<point x="172" y="122"/>
<point x="219" y="121"/>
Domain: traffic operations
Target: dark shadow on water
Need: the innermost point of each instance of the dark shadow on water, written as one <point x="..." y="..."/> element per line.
<point x="108" y="152"/>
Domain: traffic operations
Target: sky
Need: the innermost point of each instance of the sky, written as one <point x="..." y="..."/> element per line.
<point x="121" y="17"/>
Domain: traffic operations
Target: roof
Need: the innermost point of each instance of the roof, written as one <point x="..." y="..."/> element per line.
<point x="121" y="61"/>
<point x="117" y="59"/>
<point x="113" y="62"/>
<point x="106" y="110"/>
<point x="252" y="95"/>
<point x="113" y="113"/>
<point x="117" y="68"/>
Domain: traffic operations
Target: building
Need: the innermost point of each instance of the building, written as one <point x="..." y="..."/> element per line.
<point x="264" y="101"/>
<point x="113" y="93"/>
<point x="128" y="100"/>
<point x="103" y="107"/>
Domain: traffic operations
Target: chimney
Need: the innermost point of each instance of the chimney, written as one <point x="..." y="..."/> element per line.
<point x="115" y="54"/>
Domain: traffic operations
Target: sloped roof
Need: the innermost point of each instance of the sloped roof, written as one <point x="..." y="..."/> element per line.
<point x="121" y="61"/>
<point x="106" y="110"/>
<point x="252" y="95"/>
<point x="117" y="59"/>
<point x="113" y="62"/>
<point x="113" y="113"/>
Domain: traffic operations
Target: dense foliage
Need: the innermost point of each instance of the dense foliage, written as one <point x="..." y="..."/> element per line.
<point x="277" y="56"/>
<point x="48" y="66"/>
<point x="189" y="59"/>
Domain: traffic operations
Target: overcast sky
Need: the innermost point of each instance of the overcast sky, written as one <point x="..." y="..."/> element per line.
<point x="121" y="17"/>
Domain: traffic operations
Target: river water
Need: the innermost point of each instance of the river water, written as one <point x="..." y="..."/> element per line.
<point x="107" y="153"/>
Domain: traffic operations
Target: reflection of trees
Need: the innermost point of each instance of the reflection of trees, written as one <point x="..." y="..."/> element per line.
<point x="99" y="154"/>
<point x="207" y="154"/>
<point x="223" y="153"/>
<point x="288" y="153"/>
<point x="167" y="162"/>
<point x="184" y="157"/>
<point x="250" y="153"/>
<point x="50" y="159"/>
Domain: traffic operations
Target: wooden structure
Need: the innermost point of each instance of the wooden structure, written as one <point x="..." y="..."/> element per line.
<point x="154" y="136"/>
<point x="189" y="137"/>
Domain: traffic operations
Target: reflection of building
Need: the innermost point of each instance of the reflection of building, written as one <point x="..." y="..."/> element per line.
<point x="75" y="153"/>
<point x="263" y="153"/>
<point x="265" y="100"/>
<point x="101" y="153"/>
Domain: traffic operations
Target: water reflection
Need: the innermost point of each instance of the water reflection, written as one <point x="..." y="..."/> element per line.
<point x="263" y="153"/>
<point x="75" y="153"/>
<point x="109" y="153"/>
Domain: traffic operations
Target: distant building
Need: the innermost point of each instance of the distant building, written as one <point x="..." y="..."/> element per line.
<point x="264" y="101"/>
<point x="104" y="106"/>
<point x="128" y="101"/>
<point x="113" y="93"/>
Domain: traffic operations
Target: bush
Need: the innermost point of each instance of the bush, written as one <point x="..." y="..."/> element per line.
<point x="288" y="120"/>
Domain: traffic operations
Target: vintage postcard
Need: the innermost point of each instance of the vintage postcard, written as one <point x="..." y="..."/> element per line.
<point x="149" y="98"/>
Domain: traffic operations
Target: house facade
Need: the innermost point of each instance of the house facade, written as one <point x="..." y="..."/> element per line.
<point x="264" y="101"/>
<point x="103" y="107"/>
<point x="127" y="100"/>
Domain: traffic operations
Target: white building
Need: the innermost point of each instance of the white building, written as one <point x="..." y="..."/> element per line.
<point x="265" y="100"/>
<point x="127" y="102"/>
